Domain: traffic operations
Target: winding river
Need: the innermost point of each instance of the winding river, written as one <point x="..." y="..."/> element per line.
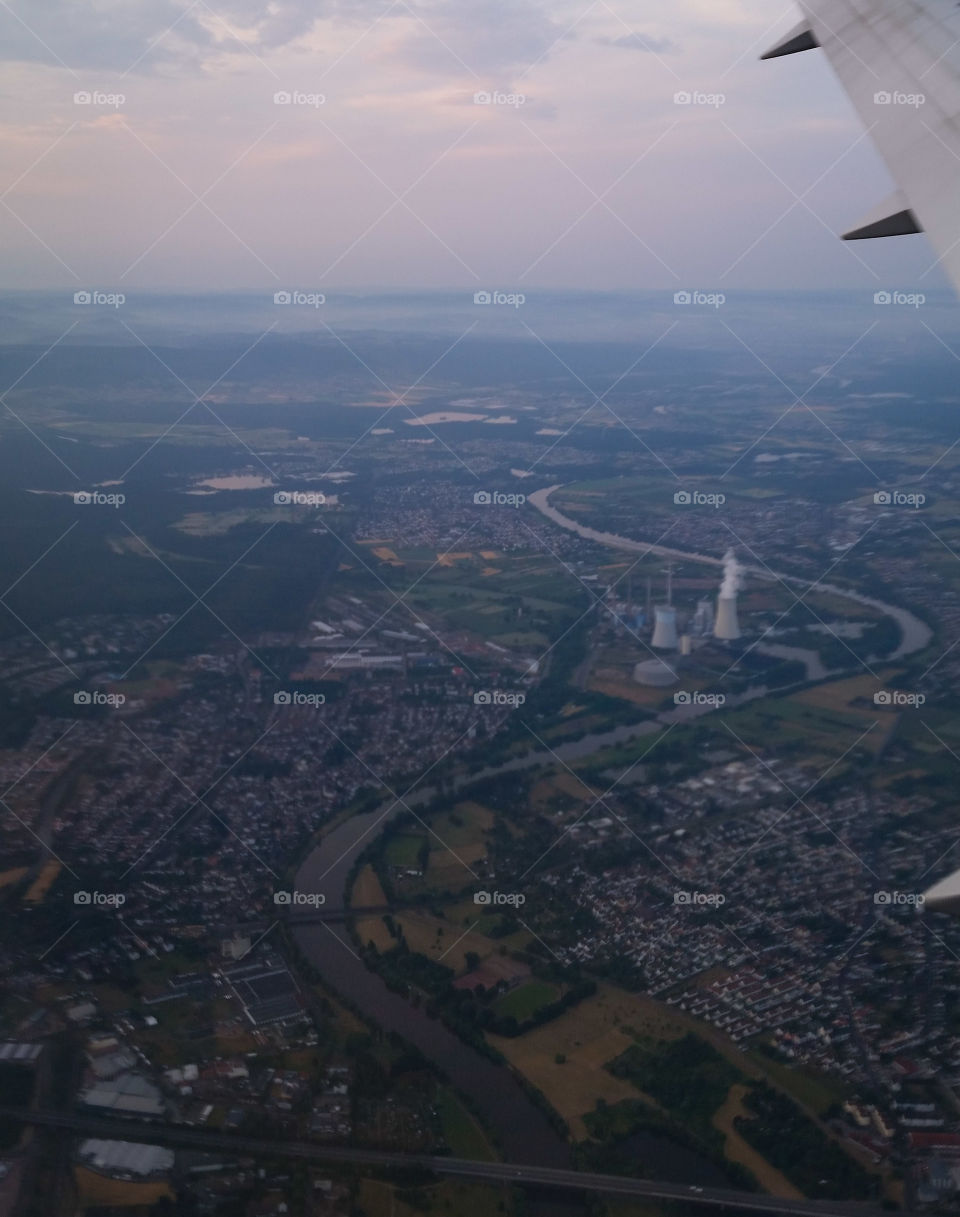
<point x="914" y="633"/>
<point x="525" y="1133"/>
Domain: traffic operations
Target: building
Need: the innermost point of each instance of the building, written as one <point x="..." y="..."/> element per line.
<point x="130" y="1094"/>
<point x="665" y="628"/>
<point x="727" y="626"/>
<point x="126" y="1160"/>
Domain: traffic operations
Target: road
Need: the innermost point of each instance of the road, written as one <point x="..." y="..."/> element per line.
<point x="180" y="1137"/>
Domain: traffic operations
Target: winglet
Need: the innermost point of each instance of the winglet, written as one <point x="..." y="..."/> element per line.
<point x="800" y="38"/>
<point x="944" y="897"/>
<point x="893" y="218"/>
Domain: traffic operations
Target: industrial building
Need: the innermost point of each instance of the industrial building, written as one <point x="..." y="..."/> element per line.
<point x="130" y="1094"/>
<point x="126" y="1160"/>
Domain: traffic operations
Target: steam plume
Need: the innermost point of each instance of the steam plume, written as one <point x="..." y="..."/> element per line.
<point x="732" y="576"/>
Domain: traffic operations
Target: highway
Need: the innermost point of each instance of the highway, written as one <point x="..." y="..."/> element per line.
<point x="177" y="1136"/>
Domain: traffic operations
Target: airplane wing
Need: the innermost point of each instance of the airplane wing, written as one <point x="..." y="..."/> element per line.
<point x="944" y="897"/>
<point x="899" y="61"/>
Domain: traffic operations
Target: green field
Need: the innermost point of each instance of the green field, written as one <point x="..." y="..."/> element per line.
<point x="403" y="849"/>
<point x="461" y="1131"/>
<point x="525" y="1001"/>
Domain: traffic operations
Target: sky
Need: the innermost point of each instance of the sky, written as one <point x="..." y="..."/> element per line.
<point x="477" y="144"/>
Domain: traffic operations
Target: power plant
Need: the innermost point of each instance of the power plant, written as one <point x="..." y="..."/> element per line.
<point x="676" y="630"/>
<point x="727" y="626"/>
<point x="665" y="635"/>
<point x="703" y="618"/>
<point x="665" y="629"/>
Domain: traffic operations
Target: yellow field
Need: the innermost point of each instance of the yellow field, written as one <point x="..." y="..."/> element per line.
<point x="97" y="1190"/>
<point x="476" y="813"/>
<point x="447" y="868"/>
<point x="589" y="1036"/>
<point x="839" y="694"/>
<point x="450" y="559"/>
<point x="9" y="877"/>
<point x="602" y="1027"/>
<point x="627" y="690"/>
<point x="422" y="933"/>
<point x="546" y="790"/>
<point x="595" y="1032"/>
<point x="489" y="555"/>
<point x="372" y="929"/>
<point x="367" y="892"/>
<point x="43" y="882"/>
<point x="737" y="1150"/>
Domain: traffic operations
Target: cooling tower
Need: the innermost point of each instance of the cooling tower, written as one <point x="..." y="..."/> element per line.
<point x="665" y="630"/>
<point x="703" y="618"/>
<point x="727" y="627"/>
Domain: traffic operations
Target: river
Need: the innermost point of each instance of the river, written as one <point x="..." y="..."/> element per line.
<point x="915" y="634"/>
<point x="526" y="1135"/>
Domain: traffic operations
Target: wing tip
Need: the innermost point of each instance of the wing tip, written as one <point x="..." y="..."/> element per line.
<point x="801" y="38"/>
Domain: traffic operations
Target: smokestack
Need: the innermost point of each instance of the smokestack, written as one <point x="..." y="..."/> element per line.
<point x="665" y="629"/>
<point x="727" y="627"/>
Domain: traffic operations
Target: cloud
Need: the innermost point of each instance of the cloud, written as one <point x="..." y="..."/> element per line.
<point x="484" y="36"/>
<point x="115" y="35"/>
<point x="646" y="43"/>
<point x="481" y="36"/>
